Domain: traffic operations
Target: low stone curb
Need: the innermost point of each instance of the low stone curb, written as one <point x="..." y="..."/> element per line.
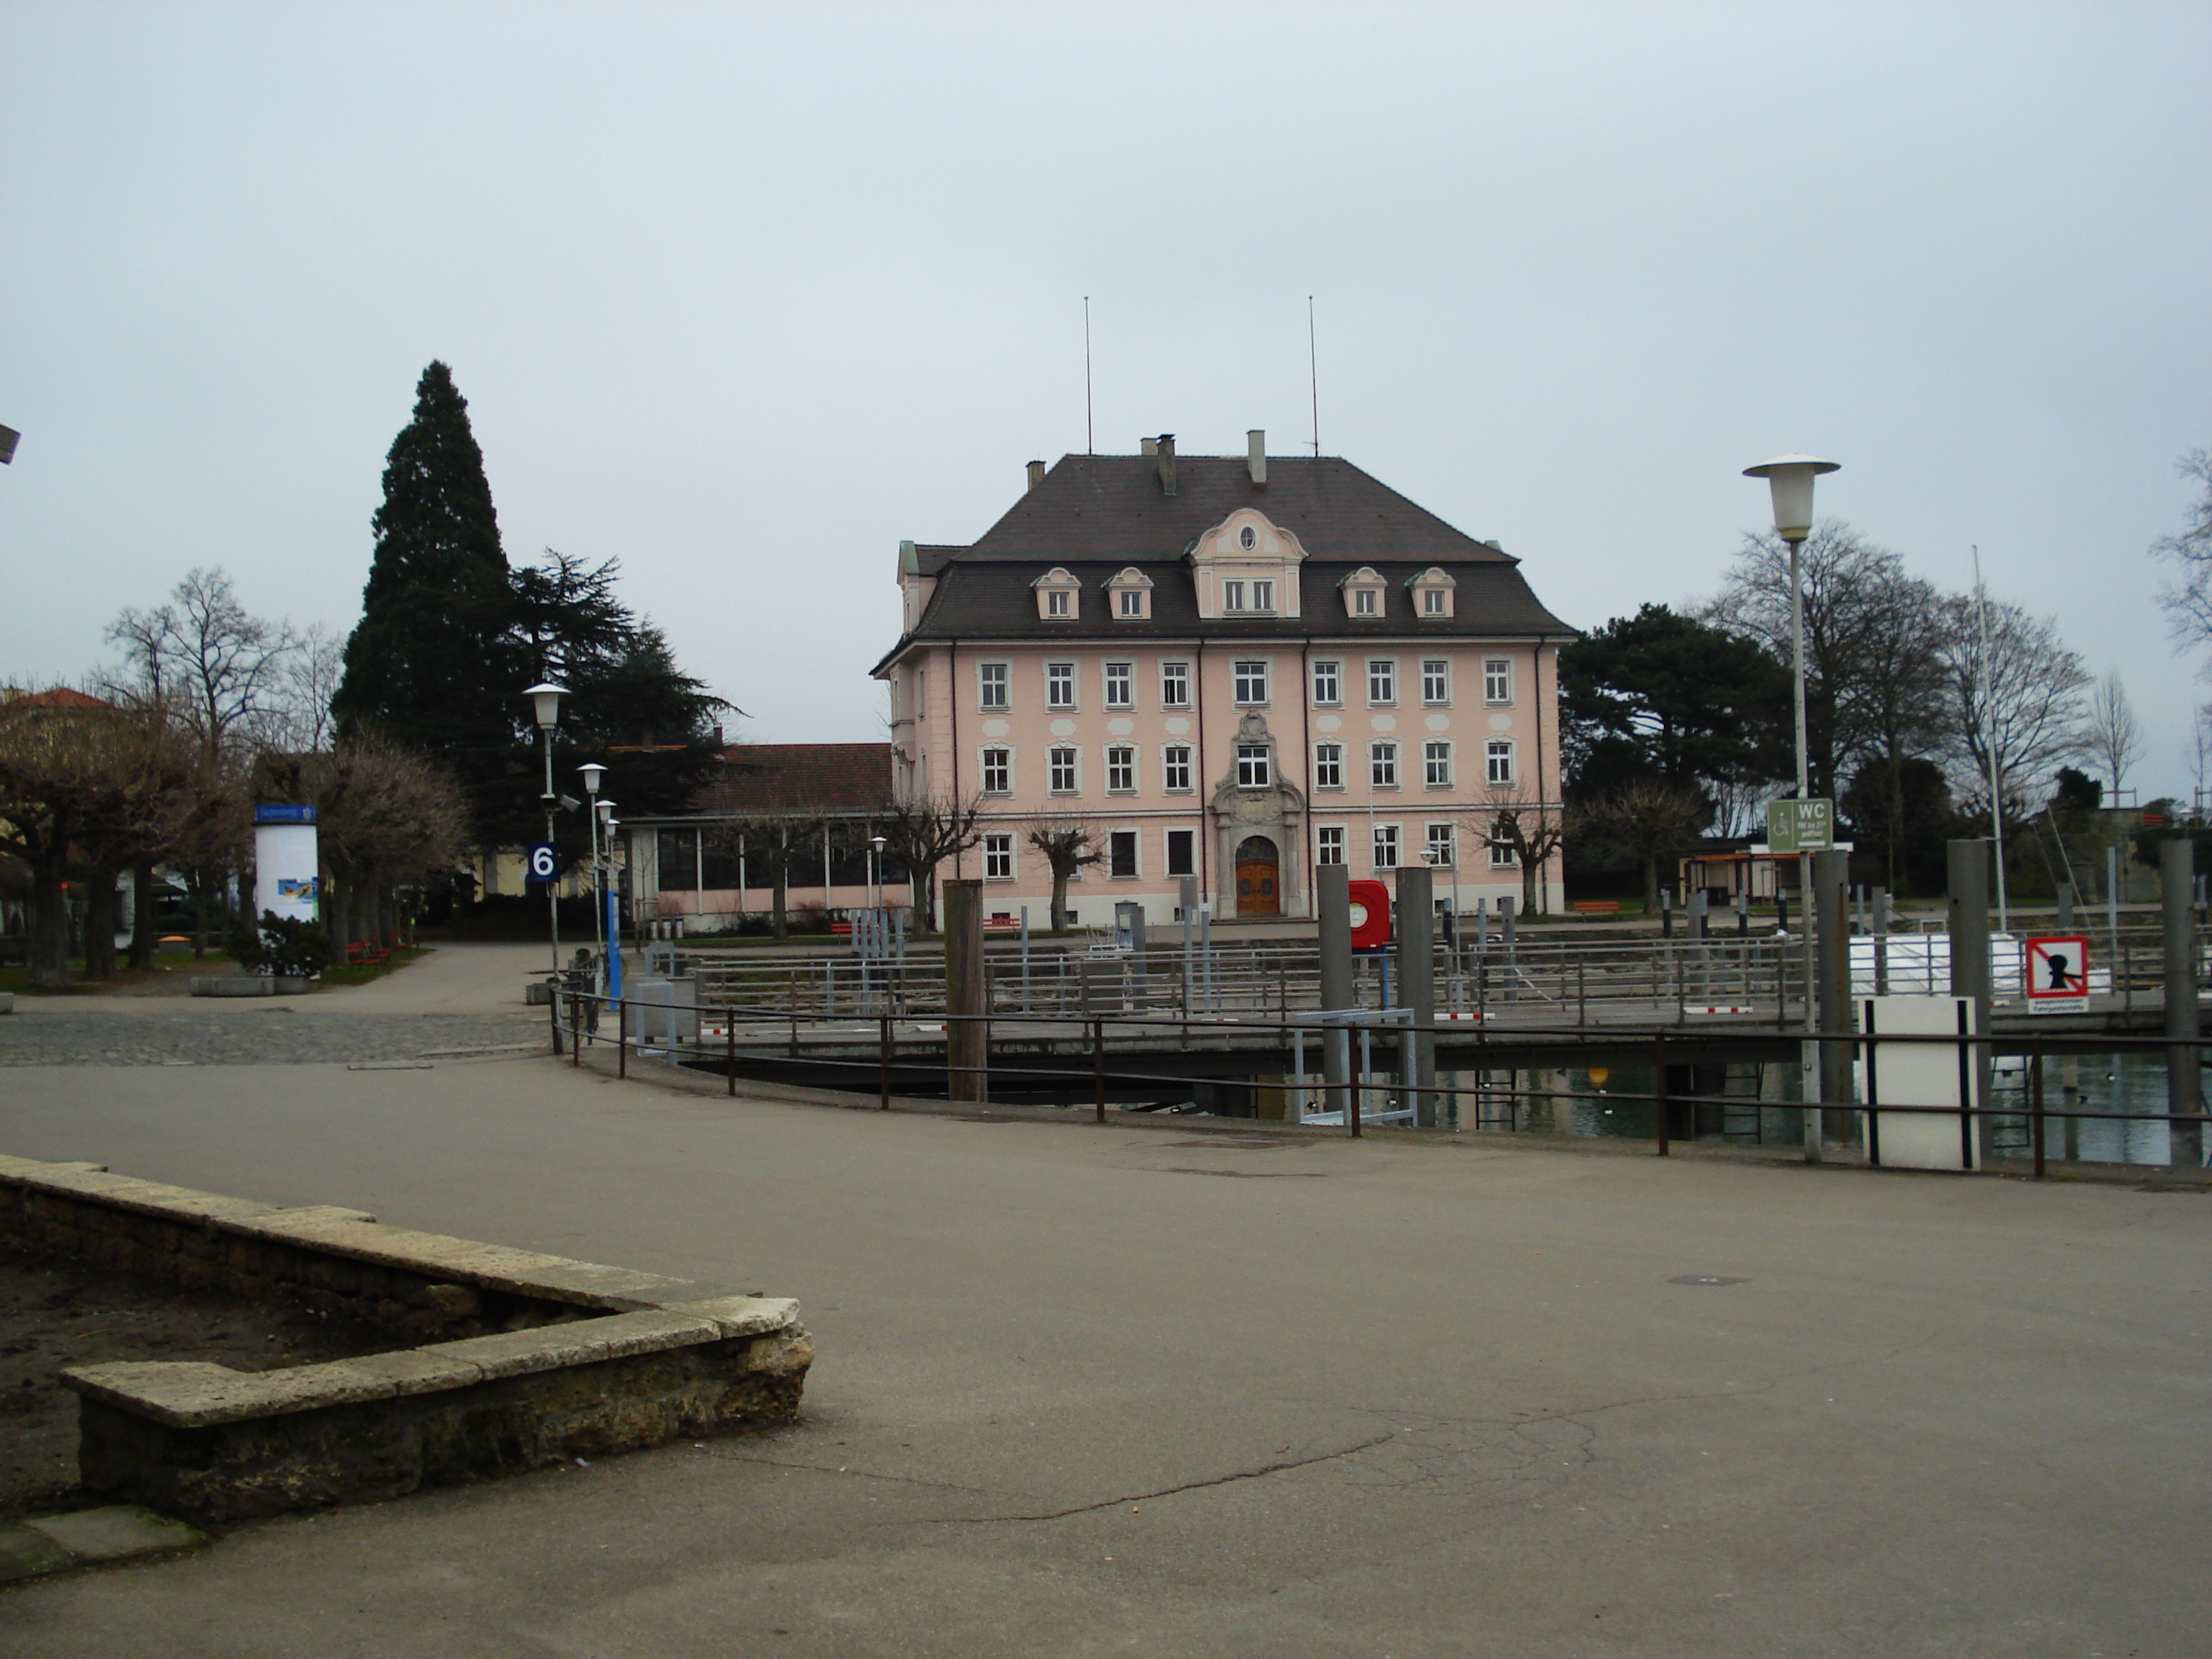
<point x="518" y="1359"/>
<point x="117" y="1532"/>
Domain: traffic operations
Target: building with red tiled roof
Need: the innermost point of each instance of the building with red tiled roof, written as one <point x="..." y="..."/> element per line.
<point x="705" y="868"/>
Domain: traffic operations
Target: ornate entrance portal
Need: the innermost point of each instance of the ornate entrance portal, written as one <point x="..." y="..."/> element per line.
<point x="1259" y="877"/>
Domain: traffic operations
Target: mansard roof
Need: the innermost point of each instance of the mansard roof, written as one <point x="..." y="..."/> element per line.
<point x="1096" y="514"/>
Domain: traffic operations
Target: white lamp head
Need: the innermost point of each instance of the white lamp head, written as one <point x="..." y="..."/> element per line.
<point x="1790" y="479"/>
<point x="592" y="772"/>
<point x="545" y="697"/>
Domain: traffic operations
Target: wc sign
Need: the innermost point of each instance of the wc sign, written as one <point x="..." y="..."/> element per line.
<point x="2058" y="975"/>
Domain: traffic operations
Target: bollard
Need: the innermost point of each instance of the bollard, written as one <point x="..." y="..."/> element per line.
<point x="1417" y="987"/>
<point x="730" y="1051"/>
<point x="1968" y="922"/>
<point x="1098" y="1070"/>
<point x="883" y="1066"/>
<point x="964" y="1035"/>
<point x="1659" y="1090"/>
<point x="2184" y="1086"/>
<point x="1332" y="890"/>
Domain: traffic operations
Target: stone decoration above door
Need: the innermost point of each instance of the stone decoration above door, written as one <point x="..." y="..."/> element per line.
<point x="1275" y="813"/>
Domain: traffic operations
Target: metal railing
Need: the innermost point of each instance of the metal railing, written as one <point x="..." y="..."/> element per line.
<point x="884" y="1044"/>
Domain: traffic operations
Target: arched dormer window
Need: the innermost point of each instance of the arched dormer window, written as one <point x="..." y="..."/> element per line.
<point x="1362" y="592"/>
<point x="1432" y="593"/>
<point x="1129" y="596"/>
<point x="1058" y="595"/>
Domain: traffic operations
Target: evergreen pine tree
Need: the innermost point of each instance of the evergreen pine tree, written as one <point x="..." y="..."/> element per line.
<point x="430" y="663"/>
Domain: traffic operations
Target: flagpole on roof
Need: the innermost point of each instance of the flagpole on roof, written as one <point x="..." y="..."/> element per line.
<point x="1313" y="375"/>
<point x="1090" y="436"/>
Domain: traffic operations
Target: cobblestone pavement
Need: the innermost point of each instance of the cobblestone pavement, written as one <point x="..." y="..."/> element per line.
<point x="272" y="1037"/>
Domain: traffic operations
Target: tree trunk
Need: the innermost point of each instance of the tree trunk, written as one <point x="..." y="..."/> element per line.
<point x="99" y="923"/>
<point x="1651" y="884"/>
<point x="49" y="919"/>
<point x="143" y="932"/>
<point x="196" y="888"/>
<point x="779" y="894"/>
<point x="1530" y="873"/>
<point x="1061" y="918"/>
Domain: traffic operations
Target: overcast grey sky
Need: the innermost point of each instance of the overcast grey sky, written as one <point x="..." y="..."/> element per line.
<point x="742" y="295"/>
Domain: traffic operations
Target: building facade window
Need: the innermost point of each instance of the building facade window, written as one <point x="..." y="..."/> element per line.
<point x="997" y="858"/>
<point x="1498" y="679"/>
<point x="1328" y="683"/>
<point x="998" y="771"/>
<point x="1386" y="846"/>
<point x="1436" y="681"/>
<point x="1182" y="852"/>
<point x="1175" y="767"/>
<point x="1117" y="684"/>
<point x="1381" y="681"/>
<point x="1329" y="844"/>
<point x="1062" y="781"/>
<point x="1498" y="766"/>
<point x="1060" y="685"/>
<point x="1382" y="765"/>
<point x="1120" y="769"/>
<point x="1059" y="602"/>
<point x="1174" y="685"/>
<point x="1263" y="595"/>
<point x="1122" y="852"/>
<point x="1131" y="603"/>
<point x="1329" y="766"/>
<point x="1251" y="681"/>
<point x="1436" y="763"/>
<point x="1501" y="851"/>
<point x="1441" y="845"/>
<point x="1364" y="602"/>
<point x="1232" y="595"/>
<point x="1432" y="602"/>
<point x="1255" y="766"/>
<point x="992" y="689"/>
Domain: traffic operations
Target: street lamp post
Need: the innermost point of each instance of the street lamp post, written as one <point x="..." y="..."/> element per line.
<point x="876" y="867"/>
<point x="608" y="824"/>
<point x="592" y="772"/>
<point x="546" y="705"/>
<point x="1790" y="479"/>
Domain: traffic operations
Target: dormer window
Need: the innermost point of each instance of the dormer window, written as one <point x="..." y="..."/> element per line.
<point x="1433" y="592"/>
<point x="1129" y="596"/>
<point x="1056" y="592"/>
<point x="1362" y="592"/>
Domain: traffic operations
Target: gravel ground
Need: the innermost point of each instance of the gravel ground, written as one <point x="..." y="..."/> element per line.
<point x="273" y="1036"/>
<point x="54" y="1313"/>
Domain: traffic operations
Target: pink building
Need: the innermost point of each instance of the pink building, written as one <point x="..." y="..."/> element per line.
<point x="1234" y="668"/>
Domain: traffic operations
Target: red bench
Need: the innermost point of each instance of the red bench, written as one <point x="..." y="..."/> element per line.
<point x="1596" y="907"/>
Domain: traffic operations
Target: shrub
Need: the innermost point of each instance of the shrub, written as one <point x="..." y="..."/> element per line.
<point x="281" y="946"/>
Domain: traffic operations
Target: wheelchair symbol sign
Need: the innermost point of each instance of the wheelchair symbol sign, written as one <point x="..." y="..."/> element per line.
<point x="544" y="860"/>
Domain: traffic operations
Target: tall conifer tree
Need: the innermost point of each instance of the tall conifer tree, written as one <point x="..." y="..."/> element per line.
<point x="430" y="663"/>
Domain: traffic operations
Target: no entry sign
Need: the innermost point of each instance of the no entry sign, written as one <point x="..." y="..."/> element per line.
<point x="2058" y="973"/>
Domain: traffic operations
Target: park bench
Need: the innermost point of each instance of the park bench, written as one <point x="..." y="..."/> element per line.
<point x="366" y="952"/>
<point x="1596" y="907"/>
<point x="841" y="930"/>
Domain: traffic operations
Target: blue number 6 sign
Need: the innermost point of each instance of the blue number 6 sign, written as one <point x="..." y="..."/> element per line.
<point x="544" y="860"/>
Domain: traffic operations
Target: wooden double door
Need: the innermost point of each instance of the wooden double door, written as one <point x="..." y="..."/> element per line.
<point x="1259" y="877"/>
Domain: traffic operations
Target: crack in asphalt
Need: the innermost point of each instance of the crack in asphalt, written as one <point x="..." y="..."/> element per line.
<point x="860" y="1474"/>
<point x="1230" y="1479"/>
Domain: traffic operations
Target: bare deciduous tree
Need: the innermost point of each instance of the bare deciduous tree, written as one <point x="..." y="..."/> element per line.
<point x="221" y="672"/>
<point x="775" y="842"/>
<point x="1068" y="845"/>
<point x="2188" y="601"/>
<point x="1647" y="820"/>
<point x="924" y="833"/>
<point x="1533" y="830"/>
<point x="2112" y="734"/>
<point x="2016" y="691"/>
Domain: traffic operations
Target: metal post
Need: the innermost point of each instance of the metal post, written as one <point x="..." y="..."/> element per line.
<point x="730" y="1050"/>
<point x="2183" y="1090"/>
<point x="1417" y="987"/>
<point x="1098" y="1069"/>
<point x="1659" y="1089"/>
<point x="621" y="1039"/>
<point x="1351" y="1109"/>
<point x="1333" y="893"/>
<point x="2035" y="1097"/>
<point x="1829" y="873"/>
<point x="1881" y="941"/>
<point x="884" y="1065"/>
<point x="1968" y="916"/>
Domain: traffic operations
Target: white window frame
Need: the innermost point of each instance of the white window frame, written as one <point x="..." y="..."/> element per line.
<point x="1329" y="844"/>
<point x="1121" y="774"/>
<point x="1175" y="769"/>
<point x="1232" y="597"/>
<point x="1175" y="671"/>
<point x="1498" y="680"/>
<point x="1255" y="766"/>
<point x="1126" y="672"/>
<point x="1263" y="595"/>
<point x="1433" y="602"/>
<point x="992" y="677"/>
<point x="1190" y="860"/>
<point x="1386" y="838"/>
<point x="1436" y="682"/>
<point x="1005" y="768"/>
<point x="1247" y="675"/>
<point x="999" y="857"/>
<point x="1498" y="761"/>
<point x="1064" y="769"/>
<point x="1329" y="766"/>
<point x="1382" y="764"/>
<point x="1381" y="682"/>
<point x="1364" y="601"/>
<point x="1059" y="604"/>
<point x="1114" y="840"/>
<point x="1328" y="684"/>
<point x="1444" y="845"/>
<point x="1059" y="687"/>
<point x="1130" y="604"/>
<point x="1437" y="763"/>
<point x="1502" y="856"/>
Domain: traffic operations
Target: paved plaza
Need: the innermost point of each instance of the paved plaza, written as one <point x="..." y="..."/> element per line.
<point x="1147" y="1390"/>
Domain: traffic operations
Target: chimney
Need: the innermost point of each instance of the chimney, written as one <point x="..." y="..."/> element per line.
<point x="1148" y="446"/>
<point x="718" y="736"/>
<point x="1255" y="456"/>
<point x="1166" y="454"/>
<point x="1036" y="474"/>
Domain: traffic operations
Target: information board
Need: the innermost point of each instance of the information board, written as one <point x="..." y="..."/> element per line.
<point x="1795" y="825"/>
